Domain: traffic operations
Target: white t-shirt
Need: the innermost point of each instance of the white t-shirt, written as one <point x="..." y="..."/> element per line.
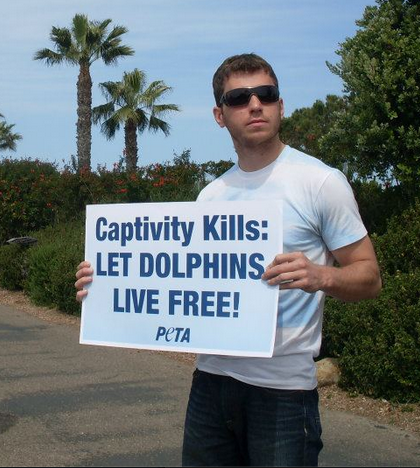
<point x="320" y="214"/>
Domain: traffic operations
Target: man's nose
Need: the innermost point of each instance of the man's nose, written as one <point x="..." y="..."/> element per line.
<point x="254" y="103"/>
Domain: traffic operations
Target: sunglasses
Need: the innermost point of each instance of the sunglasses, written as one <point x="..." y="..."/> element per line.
<point x="241" y="96"/>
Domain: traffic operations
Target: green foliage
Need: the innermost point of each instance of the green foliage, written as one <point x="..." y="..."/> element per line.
<point x="378" y="203"/>
<point x="28" y="196"/>
<point x="380" y="69"/>
<point x="180" y="181"/>
<point x="52" y="266"/>
<point x="136" y="107"/>
<point x="81" y="45"/>
<point x="8" y="138"/>
<point x="398" y="250"/>
<point x="306" y="127"/>
<point x="13" y="266"/>
<point x="378" y="341"/>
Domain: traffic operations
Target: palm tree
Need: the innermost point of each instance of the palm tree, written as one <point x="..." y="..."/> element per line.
<point x="8" y="139"/>
<point x="83" y="44"/>
<point x="133" y="105"/>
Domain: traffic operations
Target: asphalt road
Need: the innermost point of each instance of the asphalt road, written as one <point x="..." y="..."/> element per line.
<point x="64" y="404"/>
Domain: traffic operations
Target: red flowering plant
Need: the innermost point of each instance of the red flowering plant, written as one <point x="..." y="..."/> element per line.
<point x="179" y="180"/>
<point x="28" y="196"/>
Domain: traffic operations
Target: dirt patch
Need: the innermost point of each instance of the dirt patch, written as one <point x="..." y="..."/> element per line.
<point x="7" y="421"/>
<point x="403" y="416"/>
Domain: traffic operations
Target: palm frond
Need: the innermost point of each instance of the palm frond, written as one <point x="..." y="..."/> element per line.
<point x="116" y="32"/>
<point x="102" y="112"/>
<point x="111" y="54"/>
<point x="156" y="124"/>
<point x="49" y="56"/>
<point x="142" y="121"/>
<point x="110" y="127"/>
<point x="111" y="89"/>
<point x="61" y="38"/>
<point x="80" y="29"/>
<point x="134" y="80"/>
<point x="162" y="109"/>
<point x="8" y="139"/>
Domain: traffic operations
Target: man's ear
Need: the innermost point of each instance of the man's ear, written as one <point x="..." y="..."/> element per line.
<point x="218" y="116"/>
<point x="281" y="108"/>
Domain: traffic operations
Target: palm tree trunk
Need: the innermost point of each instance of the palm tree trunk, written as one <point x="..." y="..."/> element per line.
<point x="131" y="148"/>
<point x="84" y="117"/>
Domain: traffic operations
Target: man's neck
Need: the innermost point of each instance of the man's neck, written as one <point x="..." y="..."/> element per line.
<point x="252" y="159"/>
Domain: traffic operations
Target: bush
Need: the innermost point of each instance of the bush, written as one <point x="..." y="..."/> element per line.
<point x="28" y="196"/>
<point x="398" y="250"/>
<point x="377" y="341"/>
<point x="13" y="266"/>
<point x="52" y="265"/>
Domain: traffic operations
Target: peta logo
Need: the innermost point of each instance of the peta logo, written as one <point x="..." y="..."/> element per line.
<point x="178" y="335"/>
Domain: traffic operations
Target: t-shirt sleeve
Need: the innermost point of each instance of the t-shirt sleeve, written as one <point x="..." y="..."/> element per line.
<point x="338" y="212"/>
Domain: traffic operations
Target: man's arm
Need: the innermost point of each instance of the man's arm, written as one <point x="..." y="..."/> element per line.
<point x="355" y="279"/>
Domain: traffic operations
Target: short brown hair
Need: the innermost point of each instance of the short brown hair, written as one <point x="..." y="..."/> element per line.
<point x="244" y="63"/>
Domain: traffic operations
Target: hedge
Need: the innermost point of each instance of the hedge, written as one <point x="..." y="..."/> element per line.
<point x="378" y="341"/>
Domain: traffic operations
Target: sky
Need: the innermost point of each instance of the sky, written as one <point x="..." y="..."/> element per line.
<point x="181" y="42"/>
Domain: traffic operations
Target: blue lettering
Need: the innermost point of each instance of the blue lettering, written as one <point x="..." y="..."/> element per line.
<point x="146" y="265"/>
<point x="223" y="302"/>
<point x="173" y="301"/>
<point x="99" y="235"/>
<point x="253" y="263"/>
<point x="160" y="332"/>
<point x="117" y="307"/>
<point x="252" y="229"/>
<point x="210" y="229"/>
<point x="178" y="335"/>
<point x="152" y="300"/>
<point x="207" y="302"/>
<point x="112" y="263"/>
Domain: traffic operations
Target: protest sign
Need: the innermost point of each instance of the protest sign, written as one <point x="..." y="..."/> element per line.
<point x="182" y="276"/>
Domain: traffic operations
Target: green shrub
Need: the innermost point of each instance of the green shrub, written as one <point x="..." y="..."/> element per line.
<point x="52" y="265"/>
<point x="180" y="180"/>
<point x="377" y="204"/>
<point x="377" y="341"/>
<point x="28" y="196"/>
<point x="13" y="266"/>
<point x="399" y="248"/>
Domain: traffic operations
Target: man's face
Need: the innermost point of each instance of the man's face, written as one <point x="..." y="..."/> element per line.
<point x="254" y="123"/>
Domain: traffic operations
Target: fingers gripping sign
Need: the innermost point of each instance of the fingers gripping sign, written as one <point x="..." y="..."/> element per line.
<point x="294" y="271"/>
<point x="83" y="278"/>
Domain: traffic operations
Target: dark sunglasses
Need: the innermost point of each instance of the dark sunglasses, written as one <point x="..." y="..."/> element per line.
<point x="241" y="96"/>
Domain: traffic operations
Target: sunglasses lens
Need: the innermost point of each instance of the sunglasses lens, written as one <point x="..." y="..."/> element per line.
<point x="241" y="96"/>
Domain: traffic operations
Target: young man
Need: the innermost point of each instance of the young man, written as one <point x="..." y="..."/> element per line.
<point x="259" y="411"/>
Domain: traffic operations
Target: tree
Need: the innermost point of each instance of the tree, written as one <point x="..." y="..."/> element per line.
<point x="133" y="105"/>
<point x="306" y="127"/>
<point x="8" y="139"/>
<point x="380" y="68"/>
<point x="83" y="44"/>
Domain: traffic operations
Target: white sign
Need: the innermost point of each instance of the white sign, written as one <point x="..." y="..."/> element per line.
<point x="182" y="276"/>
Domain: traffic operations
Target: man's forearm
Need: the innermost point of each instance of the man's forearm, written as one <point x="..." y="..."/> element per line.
<point x="360" y="280"/>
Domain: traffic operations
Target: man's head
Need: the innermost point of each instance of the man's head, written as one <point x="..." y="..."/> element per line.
<point x="248" y="105"/>
<point x="239" y="64"/>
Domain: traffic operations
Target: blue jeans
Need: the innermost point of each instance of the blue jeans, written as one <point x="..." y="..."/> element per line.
<point x="230" y="423"/>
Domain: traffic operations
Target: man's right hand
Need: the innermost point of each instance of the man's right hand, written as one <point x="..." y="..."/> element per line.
<point x="84" y="277"/>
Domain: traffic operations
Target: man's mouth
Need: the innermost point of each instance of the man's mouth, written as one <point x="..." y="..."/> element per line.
<point x="257" y="122"/>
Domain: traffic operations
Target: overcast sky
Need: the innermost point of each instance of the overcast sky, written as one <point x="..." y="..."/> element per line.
<point x="179" y="41"/>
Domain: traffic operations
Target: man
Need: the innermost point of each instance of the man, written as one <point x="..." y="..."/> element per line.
<point x="259" y="411"/>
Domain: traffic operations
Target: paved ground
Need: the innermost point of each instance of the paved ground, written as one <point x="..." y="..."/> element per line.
<point x="63" y="404"/>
